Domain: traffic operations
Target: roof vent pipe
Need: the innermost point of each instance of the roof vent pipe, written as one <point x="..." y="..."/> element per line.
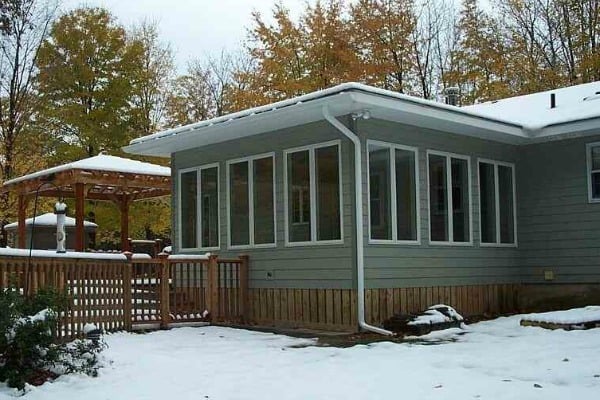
<point x="452" y="95"/>
<point x="552" y="100"/>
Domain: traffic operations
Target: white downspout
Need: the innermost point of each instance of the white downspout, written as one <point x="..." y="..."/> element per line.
<point x="360" y="257"/>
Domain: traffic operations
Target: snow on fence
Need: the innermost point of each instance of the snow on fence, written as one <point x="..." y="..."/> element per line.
<point x="128" y="293"/>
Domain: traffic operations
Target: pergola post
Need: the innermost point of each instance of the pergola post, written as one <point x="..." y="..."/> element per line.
<point x="79" y="212"/>
<point x="124" y="208"/>
<point x="21" y="215"/>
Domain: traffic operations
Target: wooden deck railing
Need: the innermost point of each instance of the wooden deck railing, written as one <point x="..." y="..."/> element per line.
<point x="133" y="293"/>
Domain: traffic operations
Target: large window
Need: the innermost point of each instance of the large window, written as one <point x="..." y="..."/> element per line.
<point x="497" y="203"/>
<point x="251" y="198"/>
<point x="199" y="208"/>
<point x="449" y="198"/>
<point x="313" y="194"/>
<point x="393" y="189"/>
<point x="593" y="164"/>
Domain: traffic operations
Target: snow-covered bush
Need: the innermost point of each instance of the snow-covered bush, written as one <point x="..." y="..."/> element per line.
<point x="28" y="351"/>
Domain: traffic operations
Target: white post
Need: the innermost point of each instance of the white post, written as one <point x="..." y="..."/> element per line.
<point x="60" y="209"/>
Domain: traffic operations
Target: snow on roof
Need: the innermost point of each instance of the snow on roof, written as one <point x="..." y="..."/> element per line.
<point x="533" y="111"/>
<point x="102" y="162"/>
<point x="49" y="219"/>
<point x="344" y="87"/>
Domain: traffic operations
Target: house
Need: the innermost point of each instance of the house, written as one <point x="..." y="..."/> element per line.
<point x="356" y="203"/>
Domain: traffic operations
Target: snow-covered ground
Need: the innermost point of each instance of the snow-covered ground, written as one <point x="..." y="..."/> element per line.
<point x="493" y="360"/>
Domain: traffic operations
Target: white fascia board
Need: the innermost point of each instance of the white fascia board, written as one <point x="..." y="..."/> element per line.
<point x="289" y="116"/>
<point x="570" y="130"/>
<point x="440" y="119"/>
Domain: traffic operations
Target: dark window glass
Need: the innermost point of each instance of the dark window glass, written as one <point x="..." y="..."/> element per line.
<point x="328" y="193"/>
<point x="380" y="196"/>
<point x="438" y="198"/>
<point x="487" y="199"/>
<point x="298" y="165"/>
<point x="239" y="204"/>
<point x="189" y="209"/>
<point x="209" y="190"/>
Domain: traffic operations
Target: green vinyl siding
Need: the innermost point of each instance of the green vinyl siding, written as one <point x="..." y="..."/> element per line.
<point x="310" y="266"/>
<point x="559" y="230"/>
<point x="400" y="265"/>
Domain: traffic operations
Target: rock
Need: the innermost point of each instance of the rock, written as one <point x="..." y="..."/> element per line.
<point x="536" y="385"/>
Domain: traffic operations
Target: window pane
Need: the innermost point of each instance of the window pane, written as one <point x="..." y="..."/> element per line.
<point x="460" y="200"/>
<point x="328" y="193"/>
<point x="299" y="196"/>
<point x="406" y="195"/>
<point x="189" y="209"/>
<point x="379" y="196"/>
<point x="487" y="199"/>
<point x="239" y="204"/>
<point x="209" y="191"/>
<point x="596" y="158"/>
<point x="506" y="206"/>
<point x="596" y="185"/>
<point x="264" y="224"/>
<point x="438" y="203"/>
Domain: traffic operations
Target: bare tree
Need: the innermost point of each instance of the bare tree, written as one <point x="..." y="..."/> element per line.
<point x="155" y="70"/>
<point x="25" y="25"/>
<point x="433" y="39"/>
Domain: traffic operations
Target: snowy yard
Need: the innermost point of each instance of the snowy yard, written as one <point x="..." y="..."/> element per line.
<point x="493" y="360"/>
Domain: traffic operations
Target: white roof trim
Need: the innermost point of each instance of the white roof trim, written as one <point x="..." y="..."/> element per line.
<point x="341" y="100"/>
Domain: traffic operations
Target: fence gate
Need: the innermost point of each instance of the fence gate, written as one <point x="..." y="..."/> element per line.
<point x="168" y="291"/>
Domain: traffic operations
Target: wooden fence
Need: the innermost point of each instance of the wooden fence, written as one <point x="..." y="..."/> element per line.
<point x="135" y="293"/>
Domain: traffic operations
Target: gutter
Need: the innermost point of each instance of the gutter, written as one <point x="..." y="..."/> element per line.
<point x="360" y="256"/>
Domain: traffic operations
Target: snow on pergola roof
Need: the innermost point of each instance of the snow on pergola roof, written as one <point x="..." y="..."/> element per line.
<point x="49" y="219"/>
<point x="106" y="178"/>
<point x="101" y="162"/>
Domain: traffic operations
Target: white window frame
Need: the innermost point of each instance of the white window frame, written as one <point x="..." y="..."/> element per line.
<point x="199" y="208"/>
<point x="496" y="164"/>
<point x="449" y="156"/>
<point x="393" y="200"/>
<point x="313" y="194"/>
<point x="590" y="171"/>
<point x="250" y="161"/>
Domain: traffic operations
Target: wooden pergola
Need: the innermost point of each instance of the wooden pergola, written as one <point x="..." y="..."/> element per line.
<point x="103" y="177"/>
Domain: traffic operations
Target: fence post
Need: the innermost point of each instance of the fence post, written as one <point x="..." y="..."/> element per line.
<point x="244" y="273"/>
<point x="213" y="286"/>
<point x="127" y="270"/>
<point x="165" y="307"/>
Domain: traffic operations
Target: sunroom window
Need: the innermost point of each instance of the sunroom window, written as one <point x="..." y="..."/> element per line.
<point x="393" y="209"/>
<point x="199" y="205"/>
<point x="497" y="202"/>
<point x="449" y="198"/>
<point x="252" y="201"/>
<point x="313" y="184"/>
<point x="593" y="156"/>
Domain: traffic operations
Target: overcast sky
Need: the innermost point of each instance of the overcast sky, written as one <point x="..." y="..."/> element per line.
<point x="194" y="28"/>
